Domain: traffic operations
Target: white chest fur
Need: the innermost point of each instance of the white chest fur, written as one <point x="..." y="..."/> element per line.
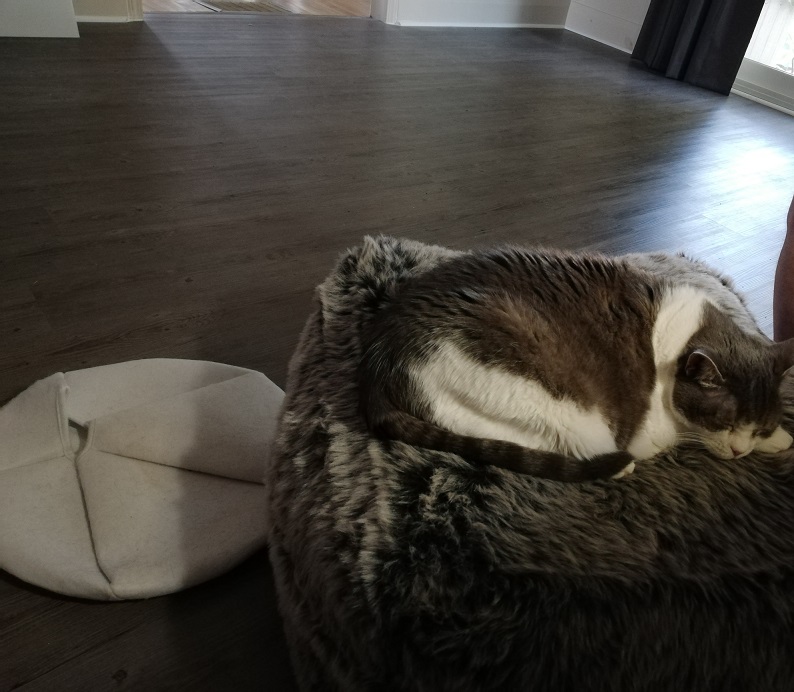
<point x="472" y="399"/>
<point x="678" y="319"/>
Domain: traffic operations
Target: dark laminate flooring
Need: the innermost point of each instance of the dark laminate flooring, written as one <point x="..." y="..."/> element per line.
<point x="177" y="188"/>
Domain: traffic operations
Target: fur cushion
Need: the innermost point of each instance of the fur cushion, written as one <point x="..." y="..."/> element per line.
<point x="405" y="569"/>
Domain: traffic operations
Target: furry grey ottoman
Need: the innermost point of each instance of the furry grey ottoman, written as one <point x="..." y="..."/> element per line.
<point x="404" y="569"/>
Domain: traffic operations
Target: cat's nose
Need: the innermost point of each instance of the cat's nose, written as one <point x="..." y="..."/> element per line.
<point x="736" y="452"/>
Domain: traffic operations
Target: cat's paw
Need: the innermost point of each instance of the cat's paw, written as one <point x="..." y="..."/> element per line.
<point x="776" y="442"/>
<point x="626" y="471"/>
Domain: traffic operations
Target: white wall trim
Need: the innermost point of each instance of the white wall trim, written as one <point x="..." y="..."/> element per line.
<point x="472" y="13"/>
<point x="108" y="11"/>
<point x="135" y="10"/>
<point x="764" y="101"/>
<point x="615" y="23"/>
<point x="385" y="10"/>
<point x="766" y="85"/>
<point x="112" y="19"/>
<point x="480" y="25"/>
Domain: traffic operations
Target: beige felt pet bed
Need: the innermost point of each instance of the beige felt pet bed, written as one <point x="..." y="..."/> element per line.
<point x="136" y="479"/>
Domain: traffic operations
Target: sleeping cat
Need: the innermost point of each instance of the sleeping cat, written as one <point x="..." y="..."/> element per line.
<point x="569" y="367"/>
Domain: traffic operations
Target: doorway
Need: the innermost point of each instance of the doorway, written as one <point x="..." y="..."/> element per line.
<point x="332" y="8"/>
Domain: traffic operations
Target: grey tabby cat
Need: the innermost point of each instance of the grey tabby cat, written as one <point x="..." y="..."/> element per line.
<point x="571" y="366"/>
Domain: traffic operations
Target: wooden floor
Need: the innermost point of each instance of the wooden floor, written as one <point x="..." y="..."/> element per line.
<point x="177" y="188"/>
<point x="328" y="8"/>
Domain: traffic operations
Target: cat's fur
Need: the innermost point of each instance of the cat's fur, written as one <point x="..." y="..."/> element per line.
<point x="568" y="366"/>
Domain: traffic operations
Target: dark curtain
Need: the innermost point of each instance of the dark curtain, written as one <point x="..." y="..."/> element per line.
<point x="698" y="41"/>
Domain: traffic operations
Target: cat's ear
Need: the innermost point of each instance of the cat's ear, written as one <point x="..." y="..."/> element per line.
<point x="701" y="368"/>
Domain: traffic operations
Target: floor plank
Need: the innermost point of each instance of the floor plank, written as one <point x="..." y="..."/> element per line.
<point x="177" y="188"/>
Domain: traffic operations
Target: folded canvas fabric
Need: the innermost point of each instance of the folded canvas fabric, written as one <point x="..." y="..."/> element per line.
<point x="402" y="569"/>
<point x="136" y="479"/>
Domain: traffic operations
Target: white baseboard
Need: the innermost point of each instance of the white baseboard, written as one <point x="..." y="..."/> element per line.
<point x="108" y="11"/>
<point x="383" y="10"/>
<point x="481" y="25"/>
<point x="473" y="13"/>
<point x="766" y="85"/>
<point x="773" y="99"/>
<point x="605" y="27"/>
<point x="114" y="19"/>
<point x="764" y="102"/>
<point x="135" y="10"/>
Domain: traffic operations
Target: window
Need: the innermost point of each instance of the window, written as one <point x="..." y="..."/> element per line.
<point x="767" y="71"/>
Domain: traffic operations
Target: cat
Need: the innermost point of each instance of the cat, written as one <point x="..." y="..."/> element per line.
<point x="570" y="366"/>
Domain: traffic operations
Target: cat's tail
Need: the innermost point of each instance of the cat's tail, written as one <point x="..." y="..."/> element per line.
<point x="398" y="425"/>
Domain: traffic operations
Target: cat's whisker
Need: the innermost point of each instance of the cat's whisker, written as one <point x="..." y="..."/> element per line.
<point x="692" y="437"/>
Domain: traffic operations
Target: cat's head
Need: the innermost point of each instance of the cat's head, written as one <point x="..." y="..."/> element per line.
<point x="727" y="390"/>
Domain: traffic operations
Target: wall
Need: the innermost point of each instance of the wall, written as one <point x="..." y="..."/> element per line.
<point x="613" y="22"/>
<point x="507" y="13"/>
<point x="108" y="10"/>
<point x="379" y="10"/>
<point x="38" y="18"/>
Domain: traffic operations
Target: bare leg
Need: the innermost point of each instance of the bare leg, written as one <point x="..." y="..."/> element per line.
<point x="783" y="300"/>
